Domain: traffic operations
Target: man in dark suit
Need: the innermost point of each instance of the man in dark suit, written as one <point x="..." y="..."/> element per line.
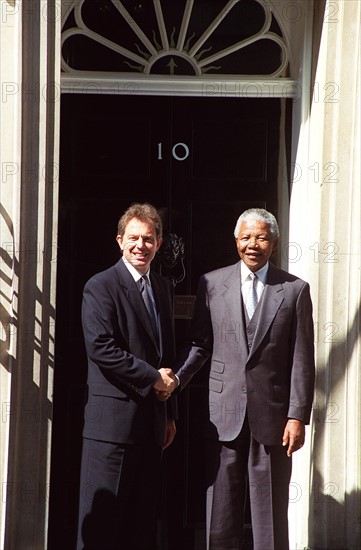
<point x="258" y="332"/>
<point x="128" y="332"/>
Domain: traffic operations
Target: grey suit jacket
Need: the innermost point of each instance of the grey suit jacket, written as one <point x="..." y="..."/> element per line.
<point x="123" y="357"/>
<point x="267" y="368"/>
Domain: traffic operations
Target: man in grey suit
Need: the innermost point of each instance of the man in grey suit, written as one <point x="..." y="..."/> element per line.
<point x="255" y="323"/>
<point x="128" y="332"/>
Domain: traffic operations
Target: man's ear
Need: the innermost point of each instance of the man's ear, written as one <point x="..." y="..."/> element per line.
<point x="275" y="246"/>
<point x="159" y="243"/>
<point x="119" y="240"/>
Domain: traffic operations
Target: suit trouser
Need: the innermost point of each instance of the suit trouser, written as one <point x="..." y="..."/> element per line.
<point x="267" y="470"/>
<point x="118" y="496"/>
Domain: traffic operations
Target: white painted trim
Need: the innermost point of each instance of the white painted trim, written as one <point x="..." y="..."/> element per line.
<point x="130" y="84"/>
<point x="200" y="66"/>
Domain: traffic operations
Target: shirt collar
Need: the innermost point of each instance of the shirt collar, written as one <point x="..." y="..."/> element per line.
<point x="134" y="272"/>
<point x="261" y="273"/>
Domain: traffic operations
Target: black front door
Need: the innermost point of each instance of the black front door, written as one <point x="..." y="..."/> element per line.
<point x="201" y="161"/>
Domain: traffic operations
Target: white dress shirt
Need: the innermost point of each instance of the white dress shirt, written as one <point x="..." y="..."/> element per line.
<point x="246" y="282"/>
<point x="137" y="276"/>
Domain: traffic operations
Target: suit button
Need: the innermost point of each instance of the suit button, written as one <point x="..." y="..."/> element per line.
<point x="249" y="344"/>
<point x="244" y="389"/>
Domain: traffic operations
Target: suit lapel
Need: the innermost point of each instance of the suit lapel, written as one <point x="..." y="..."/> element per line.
<point x="135" y="299"/>
<point x="268" y="307"/>
<point x="233" y="302"/>
<point x="159" y="293"/>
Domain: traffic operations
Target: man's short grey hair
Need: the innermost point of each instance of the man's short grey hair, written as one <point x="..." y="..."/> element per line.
<point x="258" y="215"/>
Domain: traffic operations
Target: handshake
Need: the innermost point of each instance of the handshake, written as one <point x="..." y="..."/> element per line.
<point x="166" y="384"/>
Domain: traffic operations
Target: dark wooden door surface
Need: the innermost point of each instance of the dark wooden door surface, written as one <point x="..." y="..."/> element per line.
<point x="201" y="161"/>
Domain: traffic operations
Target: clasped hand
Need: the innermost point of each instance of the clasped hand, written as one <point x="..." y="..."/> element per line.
<point x="166" y="384"/>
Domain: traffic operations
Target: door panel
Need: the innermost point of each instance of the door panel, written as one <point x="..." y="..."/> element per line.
<point x="201" y="161"/>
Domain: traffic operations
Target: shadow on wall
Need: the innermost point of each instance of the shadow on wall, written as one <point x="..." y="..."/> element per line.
<point x="26" y="319"/>
<point x="319" y="18"/>
<point x="334" y="515"/>
<point x="8" y="269"/>
<point x="334" y="521"/>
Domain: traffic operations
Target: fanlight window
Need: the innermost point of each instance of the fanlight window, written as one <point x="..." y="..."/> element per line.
<point x="168" y="37"/>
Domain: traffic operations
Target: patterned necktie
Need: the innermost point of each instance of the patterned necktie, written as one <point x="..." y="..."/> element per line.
<point x="148" y="303"/>
<point x="252" y="298"/>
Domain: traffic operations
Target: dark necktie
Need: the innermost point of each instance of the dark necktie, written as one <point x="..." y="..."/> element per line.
<point x="148" y="303"/>
<point x="252" y="298"/>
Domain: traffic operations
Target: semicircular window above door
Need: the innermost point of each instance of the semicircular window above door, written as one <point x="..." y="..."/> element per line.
<point x="192" y="38"/>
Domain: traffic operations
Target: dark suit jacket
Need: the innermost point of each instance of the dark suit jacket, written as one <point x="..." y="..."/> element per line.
<point x="266" y="368"/>
<point x="123" y="357"/>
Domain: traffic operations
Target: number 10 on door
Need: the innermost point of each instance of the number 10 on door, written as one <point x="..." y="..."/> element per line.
<point x="180" y="151"/>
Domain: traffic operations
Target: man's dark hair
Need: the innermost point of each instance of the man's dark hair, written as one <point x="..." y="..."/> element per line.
<point x="143" y="212"/>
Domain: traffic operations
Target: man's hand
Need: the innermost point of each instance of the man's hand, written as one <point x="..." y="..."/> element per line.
<point x="162" y="395"/>
<point x="293" y="436"/>
<point x="166" y="384"/>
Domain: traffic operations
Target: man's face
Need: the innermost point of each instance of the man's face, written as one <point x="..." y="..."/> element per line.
<point x="139" y="243"/>
<point x="255" y="244"/>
